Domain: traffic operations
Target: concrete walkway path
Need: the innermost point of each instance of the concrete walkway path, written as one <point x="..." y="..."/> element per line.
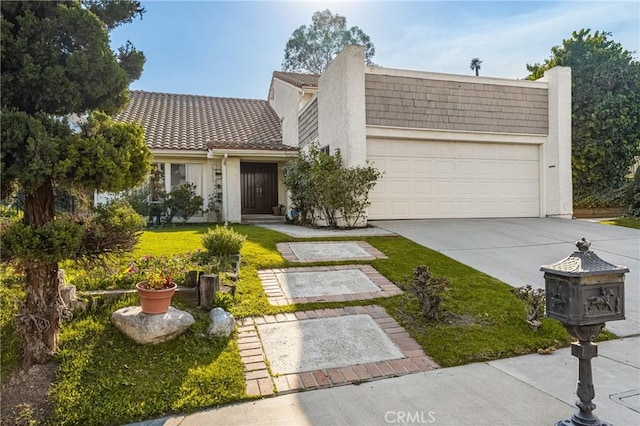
<point x="513" y="250"/>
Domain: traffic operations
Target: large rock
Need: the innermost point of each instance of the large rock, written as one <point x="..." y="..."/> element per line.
<point x="146" y="328"/>
<point x="222" y="323"/>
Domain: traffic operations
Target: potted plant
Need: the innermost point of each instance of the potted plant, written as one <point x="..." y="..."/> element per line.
<point x="155" y="292"/>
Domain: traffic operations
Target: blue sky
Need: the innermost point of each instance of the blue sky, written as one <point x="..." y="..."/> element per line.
<point x="230" y="49"/>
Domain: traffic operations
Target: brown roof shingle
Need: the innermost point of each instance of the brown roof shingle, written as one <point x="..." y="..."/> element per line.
<point x="191" y="122"/>
<point x="298" y="79"/>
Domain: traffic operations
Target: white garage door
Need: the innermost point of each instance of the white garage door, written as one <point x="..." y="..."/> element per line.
<point x="433" y="179"/>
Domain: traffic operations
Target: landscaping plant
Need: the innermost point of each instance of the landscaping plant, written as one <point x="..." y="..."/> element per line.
<point x="103" y="378"/>
<point x="57" y="63"/>
<point x="429" y="291"/>
<point x="182" y="202"/>
<point x="322" y="189"/>
<point x="222" y="241"/>
<point x="605" y="111"/>
<point x="534" y="302"/>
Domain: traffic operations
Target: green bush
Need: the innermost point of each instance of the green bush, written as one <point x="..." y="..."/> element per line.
<point x="603" y="201"/>
<point x="57" y="240"/>
<point x="182" y="202"/>
<point x="122" y="274"/>
<point x="222" y="241"/>
<point x="322" y="188"/>
<point x="138" y="199"/>
<point x="633" y="197"/>
<point x="114" y="228"/>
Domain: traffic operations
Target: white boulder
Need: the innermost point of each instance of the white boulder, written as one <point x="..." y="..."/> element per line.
<point x="150" y="329"/>
<point x="222" y="323"/>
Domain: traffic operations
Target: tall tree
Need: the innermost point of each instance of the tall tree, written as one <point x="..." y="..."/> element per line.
<point x="605" y="90"/>
<point x="475" y="65"/>
<point x="57" y="62"/>
<point x="311" y="48"/>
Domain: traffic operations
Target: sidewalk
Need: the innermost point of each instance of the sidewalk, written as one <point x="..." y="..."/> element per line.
<point x="526" y="390"/>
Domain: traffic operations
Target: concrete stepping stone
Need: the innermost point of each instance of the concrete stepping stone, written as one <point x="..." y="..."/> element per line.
<point x="325" y="284"/>
<point x="326" y="347"/>
<point x="320" y="251"/>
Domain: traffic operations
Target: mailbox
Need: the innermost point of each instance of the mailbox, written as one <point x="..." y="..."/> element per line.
<point x="583" y="289"/>
<point x="583" y="292"/>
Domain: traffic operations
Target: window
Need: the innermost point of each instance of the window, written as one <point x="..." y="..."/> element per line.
<point x="178" y="175"/>
<point x="326" y="150"/>
<point x="169" y="177"/>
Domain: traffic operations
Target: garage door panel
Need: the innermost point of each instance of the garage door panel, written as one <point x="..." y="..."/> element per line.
<point x="422" y="167"/>
<point x="425" y="179"/>
<point x="466" y="167"/>
<point x="400" y="208"/>
<point x="446" y="167"/>
<point x="400" y="188"/>
<point x="397" y="167"/>
<point x="423" y="207"/>
<point x="443" y="187"/>
<point x="421" y="187"/>
<point x="466" y="188"/>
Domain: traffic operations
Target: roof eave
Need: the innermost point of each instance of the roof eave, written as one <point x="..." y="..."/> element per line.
<point x="189" y="153"/>
<point x="221" y="152"/>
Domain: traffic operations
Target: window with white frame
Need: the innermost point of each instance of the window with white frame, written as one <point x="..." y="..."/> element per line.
<point x="171" y="175"/>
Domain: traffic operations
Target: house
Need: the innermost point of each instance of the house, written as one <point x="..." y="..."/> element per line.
<point x="450" y="146"/>
<point x="229" y="148"/>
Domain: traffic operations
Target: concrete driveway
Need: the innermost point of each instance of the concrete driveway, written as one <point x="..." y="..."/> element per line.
<point x="513" y="250"/>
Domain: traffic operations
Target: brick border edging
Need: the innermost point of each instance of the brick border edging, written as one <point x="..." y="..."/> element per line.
<point x="286" y="251"/>
<point x="260" y="383"/>
<point x="276" y="295"/>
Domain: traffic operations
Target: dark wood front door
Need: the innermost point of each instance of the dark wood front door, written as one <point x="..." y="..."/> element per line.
<point x="259" y="186"/>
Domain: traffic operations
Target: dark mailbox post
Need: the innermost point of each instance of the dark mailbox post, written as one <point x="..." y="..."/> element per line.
<point x="583" y="292"/>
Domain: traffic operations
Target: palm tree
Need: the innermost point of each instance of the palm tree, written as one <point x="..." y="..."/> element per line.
<point x="475" y="65"/>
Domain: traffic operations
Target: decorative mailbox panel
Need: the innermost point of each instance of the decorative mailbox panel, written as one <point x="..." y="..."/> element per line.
<point x="584" y="289"/>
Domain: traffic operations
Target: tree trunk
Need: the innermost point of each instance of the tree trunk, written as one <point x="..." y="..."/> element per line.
<point x="39" y="319"/>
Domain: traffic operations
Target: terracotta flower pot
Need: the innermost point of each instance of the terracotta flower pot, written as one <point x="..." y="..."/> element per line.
<point x="155" y="301"/>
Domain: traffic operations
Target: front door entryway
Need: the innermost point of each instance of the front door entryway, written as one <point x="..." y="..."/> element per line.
<point x="259" y="187"/>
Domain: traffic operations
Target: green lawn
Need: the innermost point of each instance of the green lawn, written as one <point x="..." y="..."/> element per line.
<point x="629" y="222"/>
<point x="105" y="379"/>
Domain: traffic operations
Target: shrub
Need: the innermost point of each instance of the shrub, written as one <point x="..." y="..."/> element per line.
<point x="429" y="291"/>
<point x="121" y="276"/>
<point x="633" y="199"/>
<point x="138" y="199"/>
<point x="182" y="202"/>
<point x="114" y="228"/>
<point x="222" y="241"/>
<point x="534" y="303"/>
<point x="322" y="189"/>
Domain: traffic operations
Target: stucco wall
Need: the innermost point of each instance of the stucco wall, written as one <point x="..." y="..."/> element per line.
<point x="308" y="123"/>
<point x="341" y="106"/>
<point x="285" y="101"/>
<point x="556" y="152"/>
<point x="232" y="195"/>
<point x="463" y="103"/>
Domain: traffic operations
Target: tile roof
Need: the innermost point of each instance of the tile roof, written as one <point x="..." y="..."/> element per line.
<point x="190" y="122"/>
<point x="298" y="79"/>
